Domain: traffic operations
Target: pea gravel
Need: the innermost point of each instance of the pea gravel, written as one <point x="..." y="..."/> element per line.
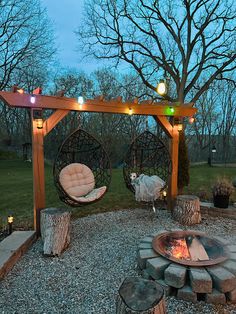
<point x="86" y="277"/>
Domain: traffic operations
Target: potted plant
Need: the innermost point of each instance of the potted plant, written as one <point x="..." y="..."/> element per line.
<point x="222" y="189"/>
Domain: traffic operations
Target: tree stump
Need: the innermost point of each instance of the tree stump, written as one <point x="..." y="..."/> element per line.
<point x="187" y="210"/>
<point x="138" y="295"/>
<point x="55" y="230"/>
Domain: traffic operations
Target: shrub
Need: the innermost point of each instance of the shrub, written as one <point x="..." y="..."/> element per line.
<point x="222" y="187"/>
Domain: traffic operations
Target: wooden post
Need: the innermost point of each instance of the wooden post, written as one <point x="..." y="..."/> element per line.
<point x="38" y="171"/>
<point x="174" y="149"/>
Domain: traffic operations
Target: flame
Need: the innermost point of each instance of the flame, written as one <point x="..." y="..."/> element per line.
<point x="179" y="249"/>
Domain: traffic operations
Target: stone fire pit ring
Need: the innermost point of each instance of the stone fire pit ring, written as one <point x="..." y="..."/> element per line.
<point x="210" y="283"/>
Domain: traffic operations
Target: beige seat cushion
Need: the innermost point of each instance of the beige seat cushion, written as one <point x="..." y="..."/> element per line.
<point x="77" y="179"/>
<point x="91" y="196"/>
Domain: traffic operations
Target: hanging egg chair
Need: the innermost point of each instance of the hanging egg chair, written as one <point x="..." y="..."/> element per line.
<point x="147" y="155"/>
<point x="82" y="170"/>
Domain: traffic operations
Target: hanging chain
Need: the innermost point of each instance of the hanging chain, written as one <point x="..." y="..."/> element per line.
<point x="79" y="119"/>
<point x="146" y="122"/>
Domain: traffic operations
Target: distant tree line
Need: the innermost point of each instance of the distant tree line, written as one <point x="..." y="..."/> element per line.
<point x="199" y="65"/>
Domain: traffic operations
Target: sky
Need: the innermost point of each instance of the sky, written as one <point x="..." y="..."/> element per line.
<point x="66" y="16"/>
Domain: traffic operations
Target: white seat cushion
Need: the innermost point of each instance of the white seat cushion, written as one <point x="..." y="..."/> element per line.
<point x="91" y="196"/>
<point x="77" y="179"/>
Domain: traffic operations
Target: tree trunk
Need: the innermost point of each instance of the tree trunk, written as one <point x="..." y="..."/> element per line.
<point x="187" y="210"/>
<point x="55" y="230"/>
<point x="138" y="295"/>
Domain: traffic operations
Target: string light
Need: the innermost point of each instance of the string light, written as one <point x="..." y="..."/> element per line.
<point x="191" y="120"/>
<point x="162" y="88"/>
<point x="32" y="99"/>
<point x="130" y="111"/>
<point x="80" y="102"/>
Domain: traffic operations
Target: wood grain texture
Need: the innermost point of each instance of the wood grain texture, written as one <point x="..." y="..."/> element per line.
<point x="187" y="210"/>
<point x="55" y="230"/>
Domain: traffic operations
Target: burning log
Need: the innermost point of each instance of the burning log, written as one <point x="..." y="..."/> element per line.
<point x="197" y="250"/>
<point x="187" y="210"/>
<point x="138" y="295"/>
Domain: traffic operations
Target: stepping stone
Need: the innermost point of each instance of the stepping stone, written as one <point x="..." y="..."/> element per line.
<point x="230" y="266"/>
<point x="200" y="280"/>
<point x="147" y="240"/>
<point x="175" y="275"/>
<point x="215" y="297"/>
<point x="186" y="293"/>
<point x="144" y="255"/>
<point x="156" y="267"/>
<point x="223" y="280"/>
<point x="145" y="245"/>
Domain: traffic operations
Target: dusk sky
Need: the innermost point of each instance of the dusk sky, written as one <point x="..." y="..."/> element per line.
<point x="66" y="16"/>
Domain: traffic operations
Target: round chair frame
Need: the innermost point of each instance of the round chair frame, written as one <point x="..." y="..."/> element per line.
<point x="147" y="155"/>
<point x="82" y="147"/>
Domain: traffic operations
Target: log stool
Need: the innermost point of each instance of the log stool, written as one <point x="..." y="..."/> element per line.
<point x="138" y="295"/>
<point x="187" y="210"/>
<point x="55" y="230"/>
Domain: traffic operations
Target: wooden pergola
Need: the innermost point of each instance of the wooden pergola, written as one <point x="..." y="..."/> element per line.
<point x="63" y="105"/>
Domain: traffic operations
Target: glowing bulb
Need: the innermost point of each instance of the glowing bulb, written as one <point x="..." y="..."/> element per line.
<point x="164" y="193"/>
<point x="10" y="219"/>
<point x="80" y="100"/>
<point x="130" y="111"/>
<point x="39" y="123"/>
<point x="162" y="88"/>
<point x="32" y="99"/>
<point x="191" y="120"/>
<point x="180" y="127"/>
<point x="20" y="91"/>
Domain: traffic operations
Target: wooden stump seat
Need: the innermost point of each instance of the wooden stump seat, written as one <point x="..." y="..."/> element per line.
<point x="138" y="295"/>
<point x="187" y="210"/>
<point x="55" y="230"/>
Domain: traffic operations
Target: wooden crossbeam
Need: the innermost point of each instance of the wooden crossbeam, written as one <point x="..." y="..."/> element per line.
<point x="94" y="105"/>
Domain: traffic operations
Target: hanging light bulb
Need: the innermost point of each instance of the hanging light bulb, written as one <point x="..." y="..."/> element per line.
<point x="20" y="91"/>
<point x="130" y="111"/>
<point x="80" y="102"/>
<point x="162" y="88"/>
<point x="32" y="99"/>
<point x="191" y="120"/>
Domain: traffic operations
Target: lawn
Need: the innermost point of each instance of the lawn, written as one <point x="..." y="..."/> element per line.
<point x="16" y="191"/>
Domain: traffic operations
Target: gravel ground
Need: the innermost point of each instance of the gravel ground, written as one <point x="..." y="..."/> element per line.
<point x="85" y="279"/>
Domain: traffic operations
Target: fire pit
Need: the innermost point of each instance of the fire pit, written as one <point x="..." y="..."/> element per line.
<point x="190" y="248"/>
<point x="190" y="265"/>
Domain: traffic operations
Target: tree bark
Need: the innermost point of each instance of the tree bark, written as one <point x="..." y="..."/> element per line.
<point x="187" y="210"/>
<point x="55" y="230"/>
<point x="138" y="295"/>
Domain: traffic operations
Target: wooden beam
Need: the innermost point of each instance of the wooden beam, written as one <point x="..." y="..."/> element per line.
<point x="165" y="124"/>
<point x="93" y="105"/>
<point x="53" y="120"/>
<point x="38" y="172"/>
<point x="174" y="150"/>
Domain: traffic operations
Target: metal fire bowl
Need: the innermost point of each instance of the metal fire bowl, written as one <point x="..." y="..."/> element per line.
<point x="216" y="250"/>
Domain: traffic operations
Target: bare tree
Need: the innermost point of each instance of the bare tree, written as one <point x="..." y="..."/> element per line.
<point x="191" y="41"/>
<point x="26" y="38"/>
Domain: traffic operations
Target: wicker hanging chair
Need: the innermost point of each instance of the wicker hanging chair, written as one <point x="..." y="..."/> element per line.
<point x="147" y="155"/>
<point x="82" y="170"/>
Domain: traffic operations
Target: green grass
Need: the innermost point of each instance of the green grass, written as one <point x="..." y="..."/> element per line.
<point x="16" y="191"/>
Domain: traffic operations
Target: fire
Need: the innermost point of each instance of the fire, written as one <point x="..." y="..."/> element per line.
<point x="179" y="249"/>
